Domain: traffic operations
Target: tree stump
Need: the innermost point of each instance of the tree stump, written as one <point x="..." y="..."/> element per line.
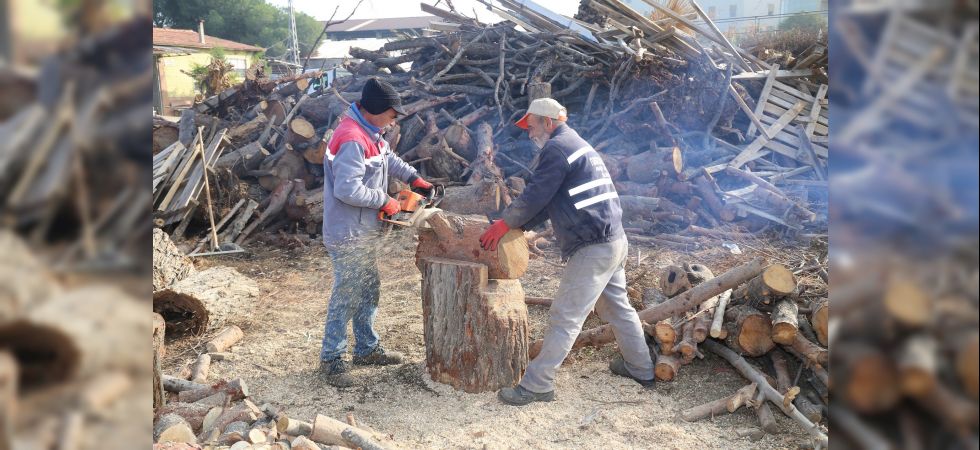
<point x="458" y="237"/>
<point x="170" y="265"/>
<point x="203" y="300"/>
<point x="476" y="329"/>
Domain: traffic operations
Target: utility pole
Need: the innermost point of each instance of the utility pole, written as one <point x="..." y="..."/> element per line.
<point x="294" y="51"/>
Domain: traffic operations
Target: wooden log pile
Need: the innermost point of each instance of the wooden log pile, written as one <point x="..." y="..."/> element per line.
<point x="694" y="137"/>
<point x="195" y="411"/>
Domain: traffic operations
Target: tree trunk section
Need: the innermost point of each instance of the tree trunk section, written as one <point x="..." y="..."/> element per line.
<point x="203" y="300"/>
<point x="750" y="331"/>
<point x="481" y="197"/>
<point x="170" y="265"/>
<point x="248" y="131"/>
<point x="820" y="319"/>
<point x="458" y="237"/>
<point x="225" y="338"/>
<point x="812" y="352"/>
<point x="475" y="330"/>
<point x="867" y="379"/>
<point x="666" y="367"/>
<point x="723" y="405"/>
<point x="775" y="282"/>
<point x="242" y="160"/>
<point x="159" y="326"/>
<point x="173" y="428"/>
<point x="784" y="322"/>
<point x="300" y="132"/>
<point x="649" y="166"/>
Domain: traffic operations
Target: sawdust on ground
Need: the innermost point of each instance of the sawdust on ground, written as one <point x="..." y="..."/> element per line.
<point x="593" y="409"/>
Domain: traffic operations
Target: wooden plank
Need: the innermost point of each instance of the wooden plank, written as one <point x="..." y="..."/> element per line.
<point x="711" y="25"/>
<point x="763" y="98"/>
<point x="763" y="74"/>
<point x="773" y="111"/>
<point x="745" y="108"/>
<point x="194" y="183"/>
<point x="776" y="84"/>
<point x="811" y="155"/>
<point x="752" y="150"/>
<point x="175" y="185"/>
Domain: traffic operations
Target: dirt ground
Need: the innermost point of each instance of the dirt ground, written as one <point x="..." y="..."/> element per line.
<point x="593" y="409"/>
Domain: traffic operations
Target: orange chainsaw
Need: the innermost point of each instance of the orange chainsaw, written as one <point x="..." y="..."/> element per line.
<point x="412" y="204"/>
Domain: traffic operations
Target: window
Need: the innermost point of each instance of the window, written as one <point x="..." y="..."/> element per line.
<point x="711" y="12"/>
<point x="239" y="65"/>
<point x="732" y="10"/>
<point x="772" y="9"/>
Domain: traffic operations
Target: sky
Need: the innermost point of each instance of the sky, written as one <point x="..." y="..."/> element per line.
<point x="375" y="9"/>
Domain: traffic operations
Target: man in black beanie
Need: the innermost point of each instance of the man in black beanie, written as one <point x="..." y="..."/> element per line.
<point x="356" y="170"/>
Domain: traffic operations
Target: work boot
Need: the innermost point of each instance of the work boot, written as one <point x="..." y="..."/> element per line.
<point x="618" y="367"/>
<point x="336" y="372"/>
<point x="518" y="396"/>
<point x="379" y="357"/>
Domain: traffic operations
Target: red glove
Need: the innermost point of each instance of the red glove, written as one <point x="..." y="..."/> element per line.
<point x="421" y="184"/>
<point x="490" y="238"/>
<point x="391" y="208"/>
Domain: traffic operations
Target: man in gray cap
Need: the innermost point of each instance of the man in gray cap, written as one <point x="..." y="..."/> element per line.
<point x="356" y="169"/>
<point x="571" y="186"/>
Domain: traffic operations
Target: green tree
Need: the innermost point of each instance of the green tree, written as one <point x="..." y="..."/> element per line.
<point x="252" y="22"/>
<point x="806" y="22"/>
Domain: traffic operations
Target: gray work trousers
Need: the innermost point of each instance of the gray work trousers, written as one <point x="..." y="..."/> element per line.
<point x="594" y="276"/>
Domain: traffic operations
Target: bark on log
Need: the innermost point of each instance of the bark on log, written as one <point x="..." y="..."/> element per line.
<point x="244" y="411"/>
<point x="767" y="391"/>
<point x="714" y="408"/>
<point x="200" y="369"/>
<point x="243" y="159"/>
<point x="203" y="300"/>
<point x="300" y="132"/>
<point x="442" y="162"/>
<point x="767" y="421"/>
<point x="666" y="367"/>
<point x="676" y="305"/>
<point x="329" y="431"/>
<point x="192" y="413"/>
<point x="235" y="389"/>
<point x="277" y="201"/>
<point x="918" y="365"/>
<point x="666" y="334"/>
<point x="705" y="189"/>
<point x="812" y="352"/>
<point x="687" y="348"/>
<point x="719" y="314"/>
<point x="967" y="356"/>
<point x="483" y="167"/>
<point x="159" y="326"/>
<point x="775" y="282"/>
<point x="225" y="338"/>
<point x="86" y="331"/>
<point x="293" y="427"/>
<point x="170" y="265"/>
<point x="784" y="384"/>
<point x="639" y="207"/>
<point x="177" y="384"/>
<point x="649" y="166"/>
<point x="482" y="197"/>
<point x="784" y="322"/>
<point x="750" y="331"/>
<point x="173" y="428"/>
<point x="820" y="319"/>
<point x="458" y="237"/>
<point x="283" y="167"/>
<point x="674" y="281"/>
<point x="247" y="132"/>
<point x="475" y="329"/>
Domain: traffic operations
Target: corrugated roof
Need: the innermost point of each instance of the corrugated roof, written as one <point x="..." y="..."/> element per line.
<point x="189" y="38"/>
<point x="390" y="23"/>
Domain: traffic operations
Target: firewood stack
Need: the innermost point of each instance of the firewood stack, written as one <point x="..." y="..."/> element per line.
<point x="758" y="317"/>
<point x="694" y="138"/>
<point x="193" y="410"/>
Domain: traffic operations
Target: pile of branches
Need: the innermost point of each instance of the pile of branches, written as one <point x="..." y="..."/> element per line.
<point x="662" y="110"/>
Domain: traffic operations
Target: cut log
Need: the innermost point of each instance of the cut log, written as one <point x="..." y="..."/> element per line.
<point x="235" y="389"/>
<point x="666" y="367"/>
<point x="225" y="338"/>
<point x="719" y="314"/>
<point x="867" y="378"/>
<point x="482" y="197"/>
<point x="967" y="364"/>
<point x="192" y="413"/>
<point x="303" y="443"/>
<point x="284" y="166"/>
<point x="244" y="412"/>
<point x="705" y="189"/>
<point x="293" y="427"/>
<point x="812" y="352"/>
<point x="775" y="282"/>
<point x="714" y="408"/>
<point x="170" y="265"/>
<point x="277" y="201"/>
<point x="958" y="413"/>
<point x="767" y="392"/>
<point x="767" y="421"/>
<point x="784" y="322"/>
<point x="102" y="391"/>
<point x="442" y="162"/>
<point x="918" y="365"/>
<point x="674" y="281"/>
<point x="458" y="237"/>
<point x="9" y="375"/>
<point x="329" y="431"/>
<point x="201" y="367"/>
<point x="483" y="167"/>
<point x="300" y="132"/>
<point x="159" y="326"/>
<point x="820" y="319"/>
<point x="649" y="166"/>
<point x="687" y="347"/>
<point x="248" y="131"/>
<point x="234" y="432"/>
<point x="177" y="384"/>
<point x="905" y="301"/>
<point x="243" y="159"/>
<point x="733" y="277"/>
<point x="86" y="331"/>
<point x="667" y="336"/>
<point x="750" y="332"/>
<point x="173" y="428"/>
<point x="475" y="330"/>
<point x="203" y="300"/>
<point x="360" y="440"/>
<point x="784" y="385"/>
<point x="639" y="207"/>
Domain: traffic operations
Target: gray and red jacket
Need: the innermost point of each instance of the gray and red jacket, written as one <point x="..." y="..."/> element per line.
<point x="572" y="187"/>
<point x="356" y="168"/>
